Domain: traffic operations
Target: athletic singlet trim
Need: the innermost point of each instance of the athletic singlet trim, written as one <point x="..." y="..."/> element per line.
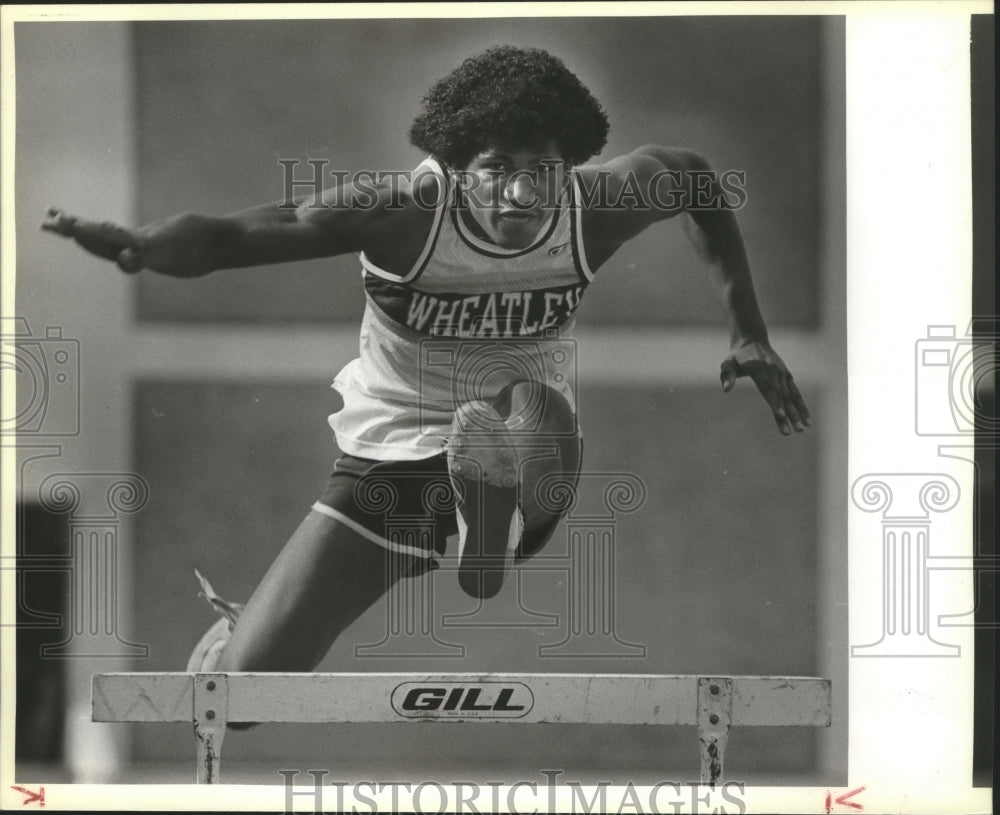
<point x="491" y="250"/>
<point x="576" y="233"/>
<point x="421" y="263"/>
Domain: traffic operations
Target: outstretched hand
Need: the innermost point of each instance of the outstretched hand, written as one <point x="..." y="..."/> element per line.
<point x="106" y="239"/>
<point x="179" y="246"/>
<point x="774" y="381"/>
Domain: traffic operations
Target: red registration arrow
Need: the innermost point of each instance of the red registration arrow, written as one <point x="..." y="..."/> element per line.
<point x="31" y="796"/>
<point x="843" y="799"/>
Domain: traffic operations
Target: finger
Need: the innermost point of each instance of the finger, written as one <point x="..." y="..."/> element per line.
<point x="781" y="379"/>
<point x="793" y="416"/>
<point x="97" y="243"/>
<point x="799" y="402"/>
<point x="129" y="261"/>
<point x="109" y="231"/>
<point x="107" y="240"/>
<point x="728" y="372"/>
<point x="59" y="222"/>
<point x="105" y="232"/>
<point x="770" y="393"/>
<point x="784" y="380"/>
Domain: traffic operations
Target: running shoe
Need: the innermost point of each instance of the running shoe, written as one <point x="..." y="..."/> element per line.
<point x="483" y="466"/>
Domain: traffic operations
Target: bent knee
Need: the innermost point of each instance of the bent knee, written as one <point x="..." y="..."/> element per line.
<point x="535" y="406"/>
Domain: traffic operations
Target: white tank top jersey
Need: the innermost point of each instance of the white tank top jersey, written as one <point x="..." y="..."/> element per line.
<point x="469" y="318"/>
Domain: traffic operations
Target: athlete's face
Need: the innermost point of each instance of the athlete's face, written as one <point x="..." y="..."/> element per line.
<point x="511" y="193"/>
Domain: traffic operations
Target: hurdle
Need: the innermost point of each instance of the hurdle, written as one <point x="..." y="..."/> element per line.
<point x="714" y="704"/>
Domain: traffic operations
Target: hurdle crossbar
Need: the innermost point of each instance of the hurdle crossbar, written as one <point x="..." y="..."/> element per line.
<point x="714" y="704"/>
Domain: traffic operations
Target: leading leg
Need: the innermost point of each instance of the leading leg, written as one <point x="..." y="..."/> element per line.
<point x="499" y="464"/>
<point x="547" y="482"/>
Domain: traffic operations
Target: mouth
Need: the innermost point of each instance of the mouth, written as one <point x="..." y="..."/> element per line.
<point x="516" y="216"/>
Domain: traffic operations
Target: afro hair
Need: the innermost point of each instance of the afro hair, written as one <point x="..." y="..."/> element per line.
<point x="511" y="98"/>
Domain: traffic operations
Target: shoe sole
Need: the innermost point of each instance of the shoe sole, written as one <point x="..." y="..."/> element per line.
<point x="482" y="464"/>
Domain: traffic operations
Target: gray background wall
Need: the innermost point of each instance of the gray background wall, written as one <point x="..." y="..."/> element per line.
<point x="215" y="391"/>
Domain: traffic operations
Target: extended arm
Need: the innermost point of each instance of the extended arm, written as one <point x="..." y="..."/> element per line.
<point x="676" y="181"/>
<point x="190" y="245"/>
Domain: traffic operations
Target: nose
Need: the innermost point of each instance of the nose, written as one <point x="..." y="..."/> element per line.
<point x="521" y="191"/>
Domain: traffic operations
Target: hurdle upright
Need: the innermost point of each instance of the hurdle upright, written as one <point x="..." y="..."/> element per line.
<point x="714" y="704"/>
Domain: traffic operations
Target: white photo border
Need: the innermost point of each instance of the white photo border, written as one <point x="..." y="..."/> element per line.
<point x="909" y="268"/>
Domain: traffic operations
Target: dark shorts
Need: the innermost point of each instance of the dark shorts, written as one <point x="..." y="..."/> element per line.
<point x="409" y="506"/>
